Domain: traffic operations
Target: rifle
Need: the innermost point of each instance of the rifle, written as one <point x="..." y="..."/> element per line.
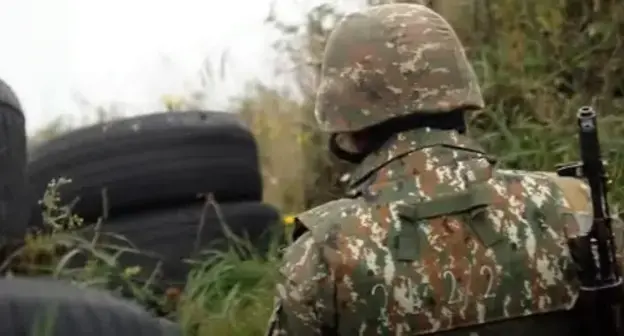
<point x="601" y="287"/>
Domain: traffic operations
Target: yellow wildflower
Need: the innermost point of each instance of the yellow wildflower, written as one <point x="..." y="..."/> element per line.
<point x="172" y="103"/>
<point x="289" y="220"/>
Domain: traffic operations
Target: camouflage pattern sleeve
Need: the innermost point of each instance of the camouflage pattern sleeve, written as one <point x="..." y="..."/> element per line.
<point x="578" y="197"/>
<point x="305" y="292"/>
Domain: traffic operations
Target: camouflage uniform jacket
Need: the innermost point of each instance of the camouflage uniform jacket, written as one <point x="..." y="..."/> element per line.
<point x="436" y="239"/>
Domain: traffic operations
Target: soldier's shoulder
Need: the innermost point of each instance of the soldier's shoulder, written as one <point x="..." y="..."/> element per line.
<point x="303" y="259"/>
<point x="574" y="192"/>
<point x="323" y="219"/>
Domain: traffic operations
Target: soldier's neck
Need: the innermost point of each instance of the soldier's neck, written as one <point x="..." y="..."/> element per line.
<point x="403" y="143"/>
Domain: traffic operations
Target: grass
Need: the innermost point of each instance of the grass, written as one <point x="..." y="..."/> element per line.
<point x="218" y="297"/>
<point x="222" y="287"/>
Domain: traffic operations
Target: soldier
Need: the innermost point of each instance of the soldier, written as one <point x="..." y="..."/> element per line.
<point x="431" y="238"/>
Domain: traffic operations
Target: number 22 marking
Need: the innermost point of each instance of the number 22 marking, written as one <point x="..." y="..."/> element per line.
<point x="456" y="296"/>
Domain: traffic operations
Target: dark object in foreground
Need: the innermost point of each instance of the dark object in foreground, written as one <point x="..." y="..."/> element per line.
<point x="13" y="206"/>
<point x="55" y="308"/>
<point x="601" y="295"/>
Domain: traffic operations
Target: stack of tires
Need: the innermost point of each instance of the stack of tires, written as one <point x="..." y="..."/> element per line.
<point x="145" y="176"/>
<point x="48" y="306"/>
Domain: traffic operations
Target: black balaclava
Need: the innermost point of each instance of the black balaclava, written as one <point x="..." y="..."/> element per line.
<point x="376" y="136"/>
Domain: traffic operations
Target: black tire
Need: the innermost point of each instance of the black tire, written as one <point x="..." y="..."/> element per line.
<point x="170" y="235"/>
<point x="29" y="304"/>
<point x="151" y="160"/>
<point x="13" y="201"/>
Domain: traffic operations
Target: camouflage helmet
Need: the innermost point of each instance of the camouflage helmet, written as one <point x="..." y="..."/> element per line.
<point x="389" y="61"/>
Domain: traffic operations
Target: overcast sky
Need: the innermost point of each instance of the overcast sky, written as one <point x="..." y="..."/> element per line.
<point x="131" y="51"/>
